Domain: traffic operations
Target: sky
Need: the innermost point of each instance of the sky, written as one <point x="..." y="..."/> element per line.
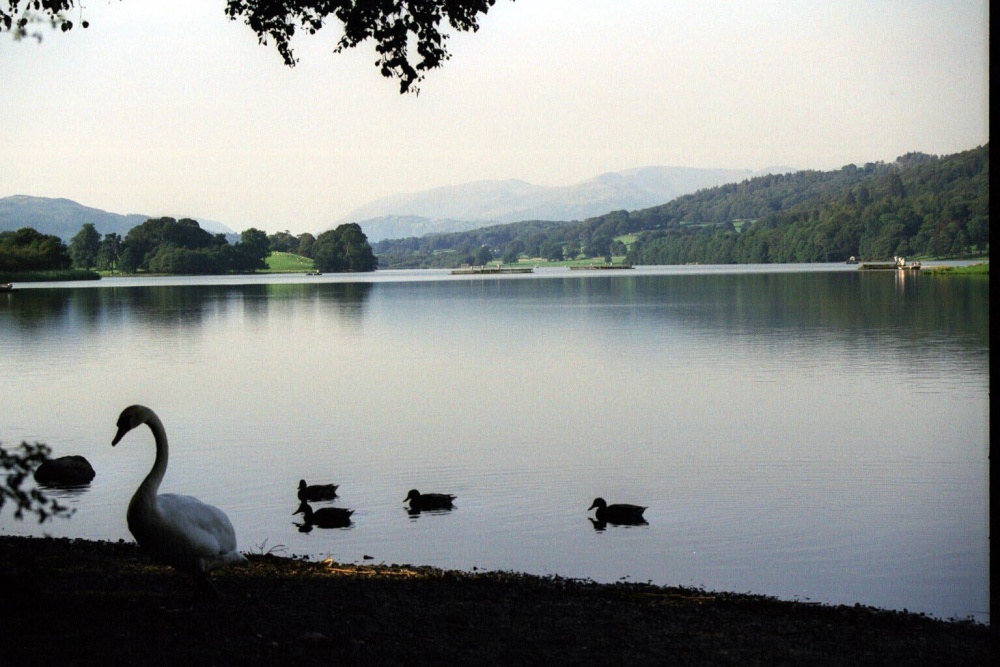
<point x="166" y="107"/>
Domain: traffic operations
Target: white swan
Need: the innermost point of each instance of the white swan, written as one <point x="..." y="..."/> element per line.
<point x="181" y="531"/>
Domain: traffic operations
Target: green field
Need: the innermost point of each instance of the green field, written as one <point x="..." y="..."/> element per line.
<point x="286" y="262"/>
<point x="974" y="270"/>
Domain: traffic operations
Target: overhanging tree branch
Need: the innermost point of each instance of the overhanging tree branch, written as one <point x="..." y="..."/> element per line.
<point x="408" y="34"/>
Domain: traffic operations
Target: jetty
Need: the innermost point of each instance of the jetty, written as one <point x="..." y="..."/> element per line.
<point x="493" y="270"/>
<point x="599" y="267"/>
<point x="897" y="264"/>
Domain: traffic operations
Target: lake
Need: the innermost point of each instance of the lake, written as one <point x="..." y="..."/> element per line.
<point x="808" y="432"/>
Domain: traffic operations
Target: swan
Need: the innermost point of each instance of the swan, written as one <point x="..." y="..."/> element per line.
<point x="620" y="513"/>
<point x="429" y="501"/>
<point x="316" y="491"/>
<point x="180" y="531"/>
<point x="325" y="517"/>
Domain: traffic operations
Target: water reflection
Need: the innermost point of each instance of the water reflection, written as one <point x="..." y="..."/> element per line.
<point x="415" y="512"/>
<point x="601" y="526"/>
<point x="840" y="305"/>
<point x="64" y="489"/>
<point x="68" y="493"/>
<point x="176" y="307"/>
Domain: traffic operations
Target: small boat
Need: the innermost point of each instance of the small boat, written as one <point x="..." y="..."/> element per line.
<point x="6" y="287"/>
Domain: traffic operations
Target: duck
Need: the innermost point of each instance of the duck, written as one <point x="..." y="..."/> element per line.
<point x="316" y="492"/>
<point x="182" y="531"/>
<point x="325" y="517"/>
<point x="429" y="501"/>
<point x="622" y="513"/>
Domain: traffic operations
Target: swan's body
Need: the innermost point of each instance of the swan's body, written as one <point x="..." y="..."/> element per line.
<point x="316" y="492"/>
<point x="181" y="531"/>
<point x="325" y="517"/>
<point x="429" y="501"/>
<point x="620" y="513"/>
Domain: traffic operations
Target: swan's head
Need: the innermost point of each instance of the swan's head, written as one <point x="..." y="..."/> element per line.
<point x="599" y="503"/>
<point x="302" y="484"/>
<point x="412" y="495"/>
<point x="132" y="416"/>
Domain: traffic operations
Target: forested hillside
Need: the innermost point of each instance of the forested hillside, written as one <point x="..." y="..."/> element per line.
<point x="918" y="205"/>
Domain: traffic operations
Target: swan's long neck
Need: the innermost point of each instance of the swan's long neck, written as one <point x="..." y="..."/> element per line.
<point x="147" y="490"/>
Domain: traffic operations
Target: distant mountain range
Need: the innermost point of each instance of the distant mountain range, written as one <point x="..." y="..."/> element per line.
<point x="480" y="203"/>
<point x="65" y="217"/>
<point x="454" y="208"/>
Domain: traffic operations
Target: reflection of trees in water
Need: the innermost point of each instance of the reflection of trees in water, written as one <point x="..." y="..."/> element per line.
<point x="96" y="308"/>
<point x="842" y="307"/>
<point x="344" y="302"/>
<point x="32" y="310"/>
<point x="178" y="306"/>
<point x="837" y="307"/>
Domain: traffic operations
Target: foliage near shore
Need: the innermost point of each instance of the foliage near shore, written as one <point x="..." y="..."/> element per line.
<point x="84" y="602"/>
<point x="973" y="270"/>
<point x="165" y="246"/>
<point x="48" y="276"/>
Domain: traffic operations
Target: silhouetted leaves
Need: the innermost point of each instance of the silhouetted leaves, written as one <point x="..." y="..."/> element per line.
<point x="396" y="26"/>
<point x="15" y="467"/>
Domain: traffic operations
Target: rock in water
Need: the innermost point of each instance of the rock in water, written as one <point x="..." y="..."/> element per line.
<point x="65" y="470"/>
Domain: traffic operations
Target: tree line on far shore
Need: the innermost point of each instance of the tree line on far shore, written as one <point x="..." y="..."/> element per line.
<point x="169" y="246"/>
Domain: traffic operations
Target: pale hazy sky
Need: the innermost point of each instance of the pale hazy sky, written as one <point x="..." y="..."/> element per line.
<point x="165" y="107"/>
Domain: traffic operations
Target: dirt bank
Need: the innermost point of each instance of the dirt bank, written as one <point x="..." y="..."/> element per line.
<point x="72" y="602"/>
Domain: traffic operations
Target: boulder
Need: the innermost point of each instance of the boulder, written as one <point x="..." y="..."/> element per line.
<point x="65" y="470"/>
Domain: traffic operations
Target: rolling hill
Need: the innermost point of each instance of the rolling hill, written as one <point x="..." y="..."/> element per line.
<point x="482" y="203"/>
<point x="65" y="217"/>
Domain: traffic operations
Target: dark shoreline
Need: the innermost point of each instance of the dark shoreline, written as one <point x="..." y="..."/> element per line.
<point x="87" y="602"/>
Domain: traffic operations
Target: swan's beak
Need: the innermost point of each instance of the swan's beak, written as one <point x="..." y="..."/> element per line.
<point x="118" y="436"/>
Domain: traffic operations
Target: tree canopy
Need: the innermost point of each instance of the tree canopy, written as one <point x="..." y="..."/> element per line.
<point x="344" y="249"/>
<point x="408" y="34"/>
<point x="84" y="247"/>
<point x="29" y="250"/>
<point x="165" y="245"/>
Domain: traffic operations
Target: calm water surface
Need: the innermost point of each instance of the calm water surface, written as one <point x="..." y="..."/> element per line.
<point x="808" y="432"/>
